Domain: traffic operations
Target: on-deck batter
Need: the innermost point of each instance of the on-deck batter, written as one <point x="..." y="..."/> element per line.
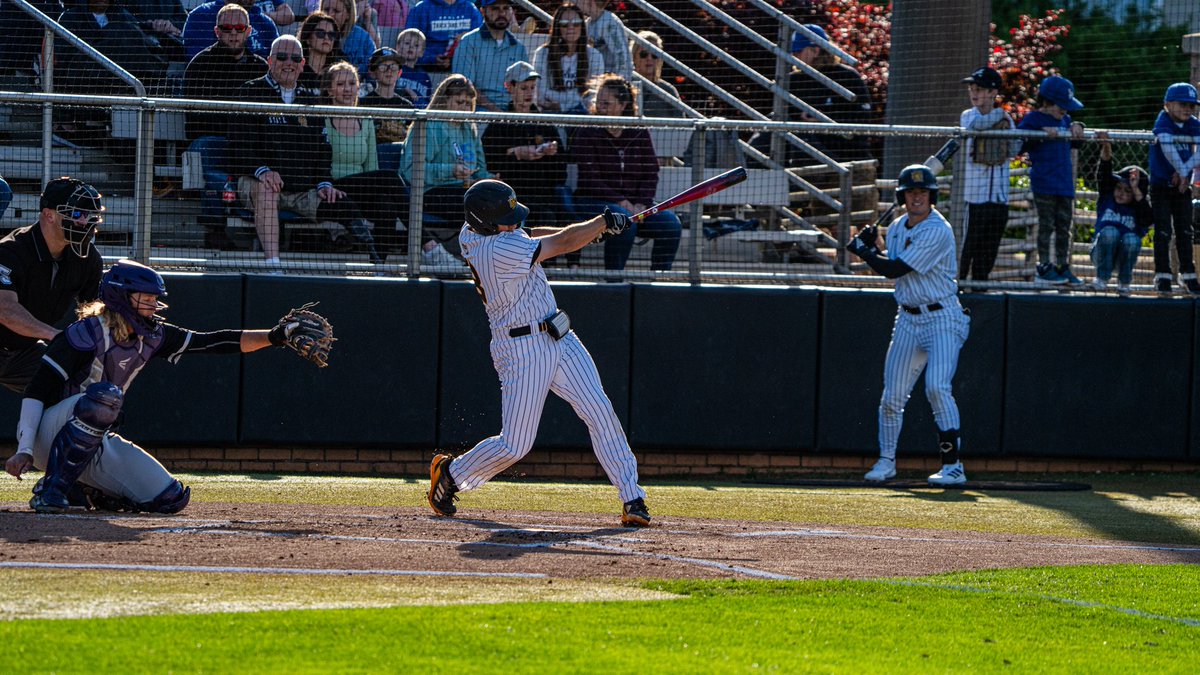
<point x="931" y="326"/>
<point x="533" y="348"/>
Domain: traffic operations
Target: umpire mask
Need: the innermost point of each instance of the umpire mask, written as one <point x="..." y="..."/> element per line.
<point x="81" y="208"/>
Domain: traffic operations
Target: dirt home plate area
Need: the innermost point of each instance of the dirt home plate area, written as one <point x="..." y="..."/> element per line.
<point x="305" y="539"/>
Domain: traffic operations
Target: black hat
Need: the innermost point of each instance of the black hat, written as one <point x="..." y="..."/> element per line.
<point x="385" y="54"/>
<point x="984" y="77"/>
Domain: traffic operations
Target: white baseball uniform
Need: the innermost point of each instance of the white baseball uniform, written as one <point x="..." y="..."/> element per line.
<point x="930" y="326"/>
<point x="516" y="295"/>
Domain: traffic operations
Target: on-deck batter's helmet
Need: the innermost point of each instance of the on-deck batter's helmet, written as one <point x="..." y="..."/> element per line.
<point x="489" y="203"/>
<point x="81" y="209"/>
<point x="126" y="277"/>
<point x="916" y="176"/>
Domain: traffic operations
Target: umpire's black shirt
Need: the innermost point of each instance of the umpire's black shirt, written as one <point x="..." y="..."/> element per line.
<point x="46" y="287"/>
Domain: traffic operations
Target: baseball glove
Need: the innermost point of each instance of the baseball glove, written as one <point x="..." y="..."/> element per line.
<point x="309" y="334"/>
<point x="992" y="151"/>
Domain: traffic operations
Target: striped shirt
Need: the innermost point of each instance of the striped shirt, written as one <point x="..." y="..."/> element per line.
<point x="928" y="248"/>
<point x="513" y="287"/>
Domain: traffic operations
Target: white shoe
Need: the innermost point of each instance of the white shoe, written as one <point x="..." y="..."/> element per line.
<point x="951" y="474"/>
<point x="884" y="469"/>
<point x="1099" y="284"/>
<point x="439" y="257"/>
<point x="1124" y="290"/>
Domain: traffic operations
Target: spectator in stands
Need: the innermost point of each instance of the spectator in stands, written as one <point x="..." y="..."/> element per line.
<point x="567" y="64"/>
<point x="1051" y="175"/>
<point x="806" y="88"/>
<point x="647" y="64"/>
<point x="528" y="156"/>
<point x="1171" y="165"/>
<point x="484" y="54"/>
<point x="392" y="15"/>
<point x="619" y="170"/>
<point x="198" y="31"/>
<point x="380" y="195"/>
<point x="279" y="11"/>
<point x="413" y="82"/>
<point x="385" y="68"/>
<point x="163" y="19"/>
<point x="442" y="22"/>
<point x="114" y="32"/>
<point x="218" y="71"/>
<point x="368" y="19"/>
<point x="356" y="44"/>
<point x="1123" y="217"/>
<point x="320" y="37"/>
<point x="283" y="161"/>
<point x="984" y="175"/>
<point x="608" y="37"/>
<point x="454" y="160"/>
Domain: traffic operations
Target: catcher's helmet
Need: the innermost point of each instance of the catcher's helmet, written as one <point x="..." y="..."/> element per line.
<point x="489" y="203"/>
<point x="125" y="277"/>
<point x="81" y="209"/>
<point x="917" y="176"/>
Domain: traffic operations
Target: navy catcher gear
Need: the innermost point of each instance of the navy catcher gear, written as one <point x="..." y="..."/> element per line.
<point x="125" y="277"/>
<point x="76" y="444"/>
<point x="916" y="176"/>
<point x="489" y="203"/>
<point x="81" y="208"/>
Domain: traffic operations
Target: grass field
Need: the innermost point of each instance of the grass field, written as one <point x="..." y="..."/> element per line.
<point x="1088" y="618"/>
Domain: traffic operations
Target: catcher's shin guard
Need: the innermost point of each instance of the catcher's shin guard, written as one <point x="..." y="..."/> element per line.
<point x="171" y="500"/>
<point x="76" y="444"/>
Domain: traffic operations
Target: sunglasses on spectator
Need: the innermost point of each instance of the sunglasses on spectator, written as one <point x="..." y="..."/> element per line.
<point x="324" y="34"/>
<point x="571" y="22"/>
<point x="294" y="58"/>
<point x="232" y="28"/>
<point x="647" y="55"/>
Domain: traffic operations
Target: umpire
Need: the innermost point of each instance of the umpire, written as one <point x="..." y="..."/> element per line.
<point x="44" y="269"/>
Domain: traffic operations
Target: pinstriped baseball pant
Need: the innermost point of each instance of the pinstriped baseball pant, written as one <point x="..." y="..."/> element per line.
<point x="529" y="367"/>
<point x="929" y="342"/>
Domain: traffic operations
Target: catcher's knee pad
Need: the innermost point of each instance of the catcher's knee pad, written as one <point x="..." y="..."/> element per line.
<point x="100" y="405"/>
<point x="170" y="500"/>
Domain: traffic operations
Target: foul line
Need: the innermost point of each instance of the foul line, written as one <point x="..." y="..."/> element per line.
<point x="264" y="570"/>
<point x="892" y="537"/>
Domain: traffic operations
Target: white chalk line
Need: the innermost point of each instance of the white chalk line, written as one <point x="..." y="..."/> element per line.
<point x="891" y="537"/>
<point x="1049" y="598"/>
<point x="264" y="570"/>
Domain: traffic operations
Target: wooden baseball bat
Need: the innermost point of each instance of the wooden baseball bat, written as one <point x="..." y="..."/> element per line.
<point x="698" y="191"/>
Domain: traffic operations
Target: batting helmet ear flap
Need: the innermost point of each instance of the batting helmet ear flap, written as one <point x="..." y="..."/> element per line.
<point x="916" y="176"/>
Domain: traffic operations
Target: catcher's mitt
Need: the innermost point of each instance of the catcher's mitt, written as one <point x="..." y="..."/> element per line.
<point x="306" y="332"/>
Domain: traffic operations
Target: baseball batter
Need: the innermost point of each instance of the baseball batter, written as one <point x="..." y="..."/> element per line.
<point x="533" y="348"/>
<point x="931" y="326"/>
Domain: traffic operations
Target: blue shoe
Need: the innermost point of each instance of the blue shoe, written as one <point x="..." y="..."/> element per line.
<point x="1048" y="275"/>
<point x="1064" y="273"/>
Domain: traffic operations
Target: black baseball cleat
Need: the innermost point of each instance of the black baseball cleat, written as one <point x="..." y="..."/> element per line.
<point x="635" y="514"/>
<point x="442" y="490"/>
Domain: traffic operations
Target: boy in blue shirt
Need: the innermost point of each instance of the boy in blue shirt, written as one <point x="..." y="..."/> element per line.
<point x="1123" y="217"/>
<point x="1171" y="165"/>
<point x="1051" y="176"/>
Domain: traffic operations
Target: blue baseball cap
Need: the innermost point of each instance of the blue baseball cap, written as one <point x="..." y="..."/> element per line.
<point x="1181" y="91"/>
<point x="1059" y="91"/>
<point x="800" y="40"/>
<point x="488" y="3"/>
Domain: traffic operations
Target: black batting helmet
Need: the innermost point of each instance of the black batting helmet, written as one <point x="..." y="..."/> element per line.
<point x="489" y="203"/>
<point x="81" y="208"/>
<point x="917" y="176"/>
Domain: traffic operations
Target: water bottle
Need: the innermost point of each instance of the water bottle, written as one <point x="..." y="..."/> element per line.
<point x="229" y="193"/>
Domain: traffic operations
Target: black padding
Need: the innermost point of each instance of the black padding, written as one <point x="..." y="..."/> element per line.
<point x="1099" y="377"/>
<point x="381" y="384"/>
<point x="195" y="401"/>
<point x="856" y="332"/>
<point x="1195" y="405"/>
<point x="723" y="368"/>
<point x="470" y="392"/>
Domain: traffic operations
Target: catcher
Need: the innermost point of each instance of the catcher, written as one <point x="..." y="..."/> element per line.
<point x="73" y="404"/>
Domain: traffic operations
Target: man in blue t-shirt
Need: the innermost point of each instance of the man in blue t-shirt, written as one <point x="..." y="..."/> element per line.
<point x="442" y="22"/>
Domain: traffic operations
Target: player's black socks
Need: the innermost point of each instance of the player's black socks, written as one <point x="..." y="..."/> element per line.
<point x="948" y="444"/>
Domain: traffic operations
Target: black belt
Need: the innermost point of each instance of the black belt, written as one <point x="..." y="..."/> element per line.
<point x="526" y="330"/>
<point x="917" y="310"/>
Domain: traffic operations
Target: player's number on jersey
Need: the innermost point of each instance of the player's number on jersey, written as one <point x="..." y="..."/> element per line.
<point x="478" y="283"/>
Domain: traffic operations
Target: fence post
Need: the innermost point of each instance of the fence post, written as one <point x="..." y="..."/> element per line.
<point x="696" y="210"/>
<point x="416" y="194"/>
<point x="846" y="196"/>
<point x="143" y="178"/>
<point x="47" y="108"/>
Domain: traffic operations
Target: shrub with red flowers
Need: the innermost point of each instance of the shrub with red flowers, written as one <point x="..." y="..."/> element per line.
<point x="1024" y="59"/>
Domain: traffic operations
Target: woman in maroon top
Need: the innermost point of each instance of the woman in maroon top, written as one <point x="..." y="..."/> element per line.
<point x="619" y="170"/>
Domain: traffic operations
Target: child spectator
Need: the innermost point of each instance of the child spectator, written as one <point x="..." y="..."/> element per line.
<point x="608" y="37"/>
<point x="385" y="68"/>
<point x="1050" y="175"/>
<point x="1123" y="216"/>
<point x="413" y="82"/>
<point x="567" y="64"/>
<point x="1171" y="166"/>
<point x="442" y="22"/>
<point x="985" y="175"/>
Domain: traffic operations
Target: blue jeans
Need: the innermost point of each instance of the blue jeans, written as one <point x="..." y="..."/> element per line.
<point x="5" y="196"/>
<point x="1112" y="248"/>
<point x="663" y="227"/>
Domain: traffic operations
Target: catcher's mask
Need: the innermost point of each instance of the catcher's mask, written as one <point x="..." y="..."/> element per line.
<point x="81" y="209"/>
<point x="489" y="203"/>
<point x="126" y="277"/>
<point x="916" y="176"/>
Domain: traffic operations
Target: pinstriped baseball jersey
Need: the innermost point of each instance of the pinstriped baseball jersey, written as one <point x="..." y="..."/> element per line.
<point x="928" y="248"/>
<point x="514" y="290"/>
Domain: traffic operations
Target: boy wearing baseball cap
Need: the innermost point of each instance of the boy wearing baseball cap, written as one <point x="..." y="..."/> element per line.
<point x="385" y="67"/>
<point x="1051" y="175"/>
<point x="1171" y="165"/>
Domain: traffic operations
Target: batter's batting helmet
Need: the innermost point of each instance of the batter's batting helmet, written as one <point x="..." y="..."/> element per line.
<point x="489" y="203"/>
<point x="81" y="209"/>
<point x="125" y="277"/>
<point x="916" y="176"/>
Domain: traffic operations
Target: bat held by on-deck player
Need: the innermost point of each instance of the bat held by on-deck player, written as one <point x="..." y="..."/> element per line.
<point x="936" y="163"/>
